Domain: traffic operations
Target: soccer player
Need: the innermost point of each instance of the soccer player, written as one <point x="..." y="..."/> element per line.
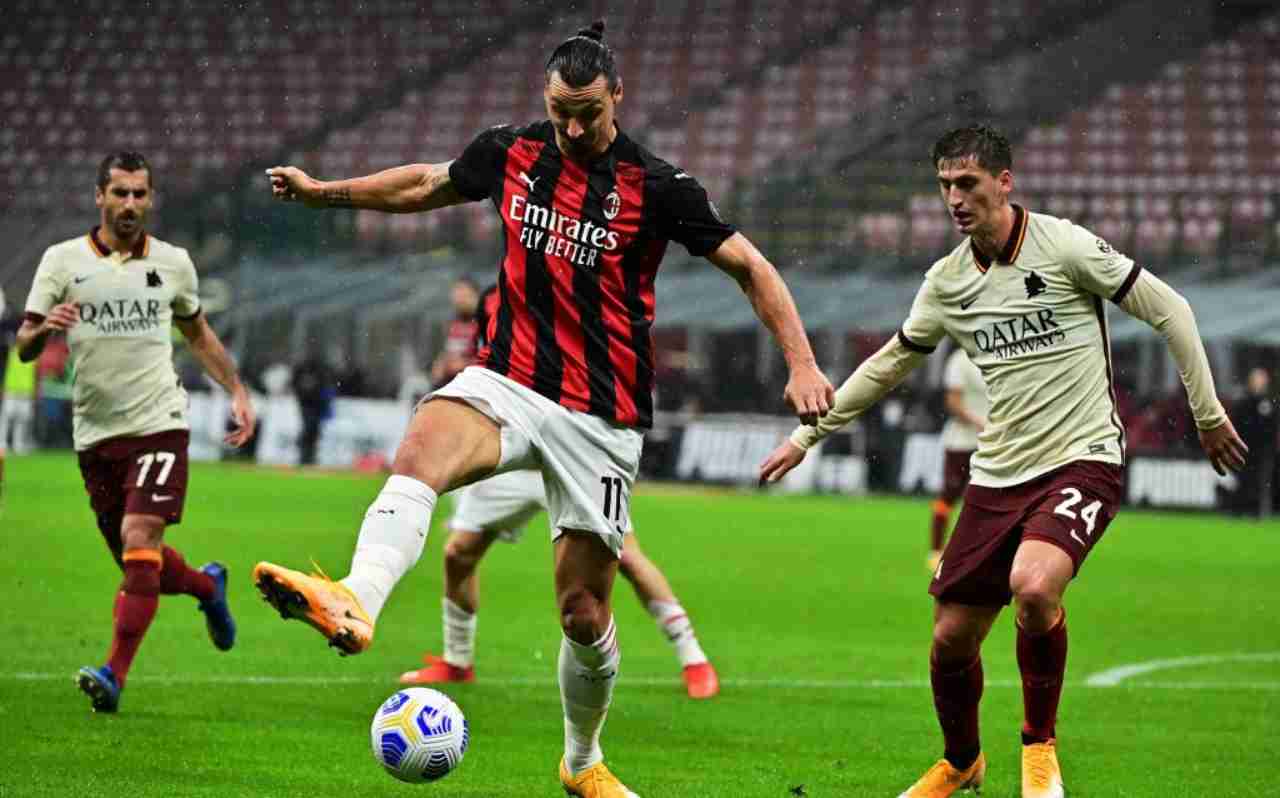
<point x="114" y="293"/>
<point x="461" y="334"/>
<point x="565" y="383"/>
<point x="4" y="357"/>
<point x="498" y="509"/>
<point x="966" y="405"/>
<point x="1023" y="294"/>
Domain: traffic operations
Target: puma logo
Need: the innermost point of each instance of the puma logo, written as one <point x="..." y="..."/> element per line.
<point x="529" y="181"/>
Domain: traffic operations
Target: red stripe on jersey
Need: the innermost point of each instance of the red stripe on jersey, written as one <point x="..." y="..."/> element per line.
<point x="524" y="338"/>
<point x="629" y="183"/>
<point x="575" y="393"/>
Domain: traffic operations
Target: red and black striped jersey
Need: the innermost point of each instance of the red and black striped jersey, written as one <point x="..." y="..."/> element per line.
<point x="582" y="245"/>
<point x="486" y="309"/>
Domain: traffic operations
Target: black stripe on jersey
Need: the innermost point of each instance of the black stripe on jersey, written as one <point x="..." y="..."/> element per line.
<point x="548" y="365"/>
<point x="913" y="346"/>
<point x="1101" y="313"/>
<point x="1123" y="290"/>
<point x="586" y="295"/>
<point x="499" y="357"/>
<point x="643" y="390"/>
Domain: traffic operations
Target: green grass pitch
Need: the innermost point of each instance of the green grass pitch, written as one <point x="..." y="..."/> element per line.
<point x="813" y="609"/>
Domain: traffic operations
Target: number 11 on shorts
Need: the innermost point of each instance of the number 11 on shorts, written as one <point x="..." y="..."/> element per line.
<point x="615" y="498"/>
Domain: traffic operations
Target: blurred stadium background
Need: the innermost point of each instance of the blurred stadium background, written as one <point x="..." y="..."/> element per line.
<point x="1157" y="125"/>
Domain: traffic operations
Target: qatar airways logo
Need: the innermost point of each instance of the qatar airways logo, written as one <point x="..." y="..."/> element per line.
<point x="120" y="316"/>
<point x="1022" y="335"/>
<point x="560" y="236"/>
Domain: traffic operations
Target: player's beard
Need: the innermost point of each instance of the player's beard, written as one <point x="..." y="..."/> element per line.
<point x="125" y="224"/>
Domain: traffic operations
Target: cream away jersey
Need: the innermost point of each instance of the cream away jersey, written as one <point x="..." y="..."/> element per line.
<point x="1035" y="325"/>
<point x="121" y="349"/>
<point x="961" y="375"/>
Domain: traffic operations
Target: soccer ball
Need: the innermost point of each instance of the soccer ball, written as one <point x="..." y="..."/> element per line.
<point x="419" y="735"/>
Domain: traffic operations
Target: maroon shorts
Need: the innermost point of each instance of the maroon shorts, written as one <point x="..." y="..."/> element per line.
<point x="1069" y="507"/>
<point x="955" y="473"/>
<point x="146" y="474"/>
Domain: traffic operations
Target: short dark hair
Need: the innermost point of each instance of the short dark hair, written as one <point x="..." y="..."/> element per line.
<point x="583" y="57"/>
<point x="985" y="143"/>
<point x="126" y="160"/>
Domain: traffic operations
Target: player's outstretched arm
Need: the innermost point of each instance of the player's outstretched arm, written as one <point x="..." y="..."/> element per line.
<point x="31" y="336"/>
<point x="403" y="189"/>
<point x="877" y="376"/>
<point x="1154" y="302"/>
<point x="208" y="349"/>
<point x="808" y="391"/>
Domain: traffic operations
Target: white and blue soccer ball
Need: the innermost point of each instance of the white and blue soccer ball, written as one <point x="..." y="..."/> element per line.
<point x="419" y="735"/>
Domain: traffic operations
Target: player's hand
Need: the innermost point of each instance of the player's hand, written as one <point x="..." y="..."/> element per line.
<point x="1224" y="447"/>
<point x="62" y="317"/>
<point x="246" y="420"/>
<point x="808" y="393"/>
<point x="291" y="184"/>
<point x="784" y="458"/>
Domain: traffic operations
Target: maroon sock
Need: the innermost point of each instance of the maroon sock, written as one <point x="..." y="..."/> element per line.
<point x="956" y="694"/>
<point x="938" y="528"/>
<point x="178" y="577"/>
<point x="1042" y="659"/>
<point x="135" y="608"/>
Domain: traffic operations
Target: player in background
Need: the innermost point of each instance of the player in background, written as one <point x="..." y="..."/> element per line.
<point x="965" y="401"/>
<point x="565" y="385"/>
<point x="1023" y="295"/>
<point x="498" y="508"/>
<point x="114" y="293"/>
<point x="461" y="334"/>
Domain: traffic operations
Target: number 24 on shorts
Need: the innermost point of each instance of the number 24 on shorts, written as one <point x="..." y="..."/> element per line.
<point x="1088" y="513"/>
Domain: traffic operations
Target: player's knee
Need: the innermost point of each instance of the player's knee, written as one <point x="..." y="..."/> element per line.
<point x="142" y="532"/>
<point x="1038" y="599"/>
<point x="460" y="551"/>
<point x="582" y="615"/>
<point x="954" y="643"/>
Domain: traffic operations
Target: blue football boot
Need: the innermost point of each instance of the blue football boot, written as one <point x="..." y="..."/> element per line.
<point x="217" y="615"/>
<point x="101" y="686"/>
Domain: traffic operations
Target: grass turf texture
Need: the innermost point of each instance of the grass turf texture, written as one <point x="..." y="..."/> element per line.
<point x="813" y="609"/>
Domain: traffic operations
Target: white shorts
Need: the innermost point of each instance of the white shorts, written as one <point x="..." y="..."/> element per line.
<point x="588" y="464"/>
<point x="501" y="504"/>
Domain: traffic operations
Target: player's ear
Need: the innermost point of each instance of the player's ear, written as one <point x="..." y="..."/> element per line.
<point x="1006" y="182"/>
<point x="617" y="92"/>
<point x="98" y="196"/>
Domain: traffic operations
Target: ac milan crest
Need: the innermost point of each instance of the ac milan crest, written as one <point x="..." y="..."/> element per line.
<point x="612" y="204"/>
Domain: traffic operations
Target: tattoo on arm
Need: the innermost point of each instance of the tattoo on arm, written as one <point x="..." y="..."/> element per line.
<point x="337" y="197"/>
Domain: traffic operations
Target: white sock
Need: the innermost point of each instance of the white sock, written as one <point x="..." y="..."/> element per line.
<point x="675" y="624"/>
<point x="391" y="540"/>
<point x="459" y="635"/>
<point x="587" y="674"/>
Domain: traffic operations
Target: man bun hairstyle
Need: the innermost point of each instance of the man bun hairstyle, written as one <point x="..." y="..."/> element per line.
<point x="125" y="160"/>
<point x="983" y="142"/>
<point x="583" y="57"/>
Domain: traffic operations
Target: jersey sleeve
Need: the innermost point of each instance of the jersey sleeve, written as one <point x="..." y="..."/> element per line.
<point x="923" y="328"/>
<point x="953" y="379"/>
<point x="186" y="299"/>
<point x="686" y="215"/>
<point x="478" y="169"/>
<point x="1095" y="266"/>
<point x="49" y="287"/>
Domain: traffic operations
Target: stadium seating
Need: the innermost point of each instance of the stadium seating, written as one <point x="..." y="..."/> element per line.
<point x="200" y="90"/>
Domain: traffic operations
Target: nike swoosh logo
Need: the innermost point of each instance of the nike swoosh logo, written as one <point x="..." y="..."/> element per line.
<point x="965" y="305"/>
<point x="79" y="280"/>
<point x="156" y="497"/>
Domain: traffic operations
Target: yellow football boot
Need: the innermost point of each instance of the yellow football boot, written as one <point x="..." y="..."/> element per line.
<point x="327" y="606"/>
<point x="1041" y="776"/>
<point x="594" y="782"/>
<point x="943" y="780"/>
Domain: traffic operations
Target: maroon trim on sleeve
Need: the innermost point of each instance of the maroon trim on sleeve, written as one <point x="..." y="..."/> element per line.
<point x="1123" y="291"/>
<point x="192" y="317"/>
<point x="913" y="346"/>
<point x="34" y="318"/>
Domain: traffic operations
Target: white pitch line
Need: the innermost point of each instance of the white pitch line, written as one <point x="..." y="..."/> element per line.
<point x="1114" y="676"/>
<point x="642" y="681"/>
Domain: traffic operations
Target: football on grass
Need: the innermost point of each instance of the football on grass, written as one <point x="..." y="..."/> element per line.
<point x="419" y="735"/>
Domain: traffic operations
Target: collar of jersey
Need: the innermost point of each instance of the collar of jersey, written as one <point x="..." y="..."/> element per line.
<point x="1011" y="247"/>
<point x="100" y="249"/>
